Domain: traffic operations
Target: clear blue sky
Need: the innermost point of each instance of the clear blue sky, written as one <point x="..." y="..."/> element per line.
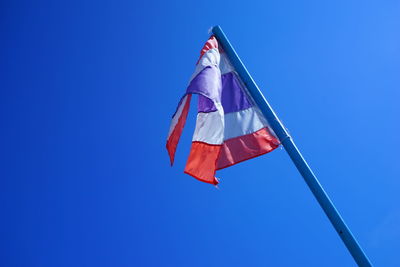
<point x="88" y="89"/>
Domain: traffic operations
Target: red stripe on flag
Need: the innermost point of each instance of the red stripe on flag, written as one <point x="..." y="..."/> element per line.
<point x="245" y="147"/>
<point x="173" y="139"/>
<point x="202" y="162"/>
<point x="210" y="44"/>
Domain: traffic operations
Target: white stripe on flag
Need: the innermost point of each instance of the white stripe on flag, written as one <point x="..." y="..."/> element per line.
<point x="224" y="65"/>
<point x="243" y="122"/>
<point x="208" y="126"/>
<point x="210" y="58"/>
<point x="177" y="115"/>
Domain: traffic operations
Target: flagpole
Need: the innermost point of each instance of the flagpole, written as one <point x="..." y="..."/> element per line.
<point x="286" y="140"/>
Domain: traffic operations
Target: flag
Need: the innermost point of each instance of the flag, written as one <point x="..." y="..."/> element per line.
<point x="230" y="128"/>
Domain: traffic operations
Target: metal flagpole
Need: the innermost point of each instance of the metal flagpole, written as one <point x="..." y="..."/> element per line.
<point x="344" y="232"/>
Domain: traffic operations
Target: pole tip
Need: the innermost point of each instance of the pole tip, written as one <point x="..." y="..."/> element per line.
<point x="214" y="29"/>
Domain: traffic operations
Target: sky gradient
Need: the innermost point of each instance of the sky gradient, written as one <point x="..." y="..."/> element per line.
<point x="88" y="89"/>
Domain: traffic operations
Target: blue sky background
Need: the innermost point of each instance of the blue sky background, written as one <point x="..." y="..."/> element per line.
<point x="87" y="92"/>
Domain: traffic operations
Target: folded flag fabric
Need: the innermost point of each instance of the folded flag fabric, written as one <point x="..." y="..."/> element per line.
<point x="230" y="128"/>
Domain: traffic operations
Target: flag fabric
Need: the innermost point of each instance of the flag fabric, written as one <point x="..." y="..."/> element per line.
<point x="230" y="128"/>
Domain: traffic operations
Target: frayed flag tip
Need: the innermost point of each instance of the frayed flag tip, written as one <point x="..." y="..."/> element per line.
<point x="216" y="185"/>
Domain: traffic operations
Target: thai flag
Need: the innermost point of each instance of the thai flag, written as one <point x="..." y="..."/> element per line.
<point x="230" y="128"/>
